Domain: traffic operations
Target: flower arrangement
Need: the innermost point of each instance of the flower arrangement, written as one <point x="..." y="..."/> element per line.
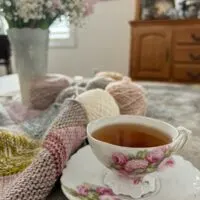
<point x="42" y="13"/>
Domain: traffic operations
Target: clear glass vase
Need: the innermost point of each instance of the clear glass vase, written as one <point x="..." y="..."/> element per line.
<point x="30" y="49"/>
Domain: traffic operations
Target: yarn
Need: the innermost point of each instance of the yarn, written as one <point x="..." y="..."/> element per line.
<point x="98" y="103"/>
<point x="5" y="119"/>
<point x="64" y="136"/>
<point x="36" y="127"/>
<point x="44" y="90"/>
<point x="129" y="96"/>
<point x="6" y="182"/>
<point x="16" y="152"/>
<point x="98" y="82"/>
<point x="79" y="81"/>
<point x="70" y="92"/>
<point x="113" y="75"/>
<point x="18" y="112"/>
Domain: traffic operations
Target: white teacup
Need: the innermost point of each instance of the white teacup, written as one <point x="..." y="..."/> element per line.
<point x="130" y="161"/>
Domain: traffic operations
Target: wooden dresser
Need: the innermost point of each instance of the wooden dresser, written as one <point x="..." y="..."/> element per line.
<point x="165" y="50"/>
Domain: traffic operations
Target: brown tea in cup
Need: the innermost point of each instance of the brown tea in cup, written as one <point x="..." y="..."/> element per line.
<point x="132" y="135"/>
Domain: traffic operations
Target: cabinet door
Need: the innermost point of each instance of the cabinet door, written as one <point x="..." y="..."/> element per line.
<point x="151" y="53"/>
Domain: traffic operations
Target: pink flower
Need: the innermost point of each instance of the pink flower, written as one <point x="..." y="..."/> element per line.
<point x="83" y="190"/>
<point x="56" y="4"/>
<point x="119" y="159"/>
<point x="104" y="191"/>
<point x="167" y="162"/>
<point x="107" y="197"/>
<point x="89" y="6"/>
<point x="135" y="164"/>
<point x="155" y="156"/>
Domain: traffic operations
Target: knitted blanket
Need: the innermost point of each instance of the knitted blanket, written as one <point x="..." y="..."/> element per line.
<point x="62" y="127"/>
<point x="60" y="130"/>
<point x="64" y="136"/>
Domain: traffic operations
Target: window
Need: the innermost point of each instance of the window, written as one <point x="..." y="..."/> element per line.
<point x="61" y="33"/>
<point x="3" y="25"/>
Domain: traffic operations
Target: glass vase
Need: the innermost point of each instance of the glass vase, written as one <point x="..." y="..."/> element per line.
<point x="30" y="48"/>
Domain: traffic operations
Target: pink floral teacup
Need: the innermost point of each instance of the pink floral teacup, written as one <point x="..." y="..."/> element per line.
<point x="133" y="162"/>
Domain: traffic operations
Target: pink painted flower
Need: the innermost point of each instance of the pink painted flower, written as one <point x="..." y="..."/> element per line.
<point x="123" y="173"/>
<point x="135" y="164"/>
<point x="165" y="148"/>
<point x="108" y="197"/>
<point x="155" y="155"/>
<point x="119" y="159"/>
<point x="83" y="190"/>
<point x="137" y="180"/>
<point x="167" y="162"/>
<point x="104" y="191"/>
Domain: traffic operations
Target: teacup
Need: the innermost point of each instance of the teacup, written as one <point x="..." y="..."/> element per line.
<point x="134" y="162"/>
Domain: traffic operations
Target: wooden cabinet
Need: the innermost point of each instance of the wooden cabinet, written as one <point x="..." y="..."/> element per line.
<point x="162" y="49"/>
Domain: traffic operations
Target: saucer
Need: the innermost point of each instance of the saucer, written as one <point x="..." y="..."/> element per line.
<point x="84" y="178"/>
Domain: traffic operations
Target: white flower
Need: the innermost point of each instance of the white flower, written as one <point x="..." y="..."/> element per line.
<point x="36" y="10"/>
<point x="8" y="3"/>
<point x="49" y="4"/>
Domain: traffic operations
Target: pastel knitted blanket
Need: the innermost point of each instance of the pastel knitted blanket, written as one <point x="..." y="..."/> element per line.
<point x="60" y="130"/>
<point x="64" y="136"/>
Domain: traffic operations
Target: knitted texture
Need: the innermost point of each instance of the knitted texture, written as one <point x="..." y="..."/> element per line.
<point x="98" y="82"/>
<point x="19" y="113"/>
<point x="129" y="96"/>
<point x="66" y="133"/>
<point x="114" y="75"/>
<point x="44" y="90"/>
<point x="70" y="92"/>
<point x="36" y="127"/>
<point x="79" y="81"/>
<point x="35" y="182"/>
<point x="16" y="152"/>
<point x="5" y="183"/>
<point x="98" y="103"/>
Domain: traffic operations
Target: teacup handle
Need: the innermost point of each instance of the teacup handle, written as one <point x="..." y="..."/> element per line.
<point x="181" y="140"/>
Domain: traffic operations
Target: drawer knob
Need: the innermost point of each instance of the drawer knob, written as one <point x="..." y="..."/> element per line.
<point x="195" y="38"/>
<point x="194" y="76"/>
<point x="194" y="57"/>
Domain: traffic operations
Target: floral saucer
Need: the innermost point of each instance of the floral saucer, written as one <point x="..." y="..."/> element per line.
<point x="84" y="178"/>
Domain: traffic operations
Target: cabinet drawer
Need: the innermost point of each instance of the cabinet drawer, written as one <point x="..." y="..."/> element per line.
<point x="187" y="35"/>
<point x="187" y="72"/>
<point x="189" y="54"/>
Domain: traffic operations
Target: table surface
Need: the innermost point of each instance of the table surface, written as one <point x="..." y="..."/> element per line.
<point x="9" y="85"/>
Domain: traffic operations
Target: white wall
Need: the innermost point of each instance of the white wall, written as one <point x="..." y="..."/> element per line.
<point x="103" y="43"/>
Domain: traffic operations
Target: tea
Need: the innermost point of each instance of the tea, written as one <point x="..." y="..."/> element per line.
<point x="130" y="135"/>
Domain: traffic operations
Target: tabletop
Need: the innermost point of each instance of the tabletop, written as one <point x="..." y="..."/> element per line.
<point x="175" y="104"/>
